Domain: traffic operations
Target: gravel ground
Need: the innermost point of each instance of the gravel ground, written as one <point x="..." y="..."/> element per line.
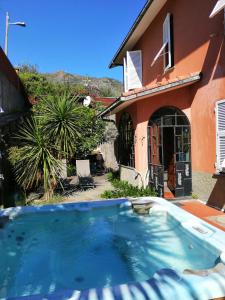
<point x="102" y="184"/>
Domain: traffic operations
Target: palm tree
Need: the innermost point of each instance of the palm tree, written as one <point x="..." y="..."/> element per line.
<point x="61" y="120"/>
<point x="34" y="161"/>
<point x="59" y="128"/>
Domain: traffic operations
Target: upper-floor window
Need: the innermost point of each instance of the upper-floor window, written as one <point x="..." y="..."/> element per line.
<point x="220" y="4"/>
<point x="133" y="70"/>
<point x="220" y="135"/>
<point x="168" y="42"/>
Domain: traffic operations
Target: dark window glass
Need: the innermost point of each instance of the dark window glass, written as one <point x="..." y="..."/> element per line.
<point x="126" y="141"/>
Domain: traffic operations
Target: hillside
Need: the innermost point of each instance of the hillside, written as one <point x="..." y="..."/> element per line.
<point x="108" y="86"/>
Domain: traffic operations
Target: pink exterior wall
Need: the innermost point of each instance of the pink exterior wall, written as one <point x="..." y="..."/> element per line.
<point x="198" y="47"/>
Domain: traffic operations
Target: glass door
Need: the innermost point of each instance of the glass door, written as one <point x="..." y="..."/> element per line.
<point x="156" y="169"/>
<point x="183" y="161"/>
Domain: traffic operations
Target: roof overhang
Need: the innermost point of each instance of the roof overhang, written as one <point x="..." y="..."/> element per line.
<point x="145" y="18"/>
<point x="126" y="101"/>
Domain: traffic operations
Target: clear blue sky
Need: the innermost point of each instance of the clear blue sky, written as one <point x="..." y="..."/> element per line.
<point x="77" y="36"/>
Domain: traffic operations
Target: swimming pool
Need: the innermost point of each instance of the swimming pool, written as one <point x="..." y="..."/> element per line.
<point x="82" y="246"/>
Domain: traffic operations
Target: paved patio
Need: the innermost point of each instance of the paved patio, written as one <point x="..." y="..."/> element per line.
<point x="204" y="212"/>
<point x="102" y="184"/>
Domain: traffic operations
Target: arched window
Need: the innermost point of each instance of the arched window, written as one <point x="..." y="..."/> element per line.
<point x="126" y="141"/>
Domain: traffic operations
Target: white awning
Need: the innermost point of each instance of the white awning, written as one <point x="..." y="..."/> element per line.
<point x="219" y="6"/>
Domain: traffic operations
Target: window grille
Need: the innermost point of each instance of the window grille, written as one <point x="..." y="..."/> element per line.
<point x="126" y="141"/>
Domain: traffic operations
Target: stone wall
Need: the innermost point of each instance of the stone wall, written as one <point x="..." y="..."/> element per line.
<point x="109" y="157"/>
<point x="129" y="174"/>
<point x="108" y="147"/>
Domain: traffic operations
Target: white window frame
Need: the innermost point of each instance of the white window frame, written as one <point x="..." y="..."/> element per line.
<point x="218" y="7"/>
<point x="167" y="40"/>
<point x="128" y="69"/>
<point x="125" y="74"/>
<point x="218" y="135"/>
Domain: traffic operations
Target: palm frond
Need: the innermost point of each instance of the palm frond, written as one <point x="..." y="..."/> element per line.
<point x="36" y="157"/>
<point x="61" y="122"/>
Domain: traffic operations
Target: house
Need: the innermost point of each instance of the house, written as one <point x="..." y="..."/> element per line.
<point x="171" y="115"/>
<point x="13" y="106"/>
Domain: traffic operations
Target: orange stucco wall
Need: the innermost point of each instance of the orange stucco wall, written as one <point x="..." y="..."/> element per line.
<point x="141" y="112"/>
<point x="198" y="46"/>
<point x="197" y="40"/>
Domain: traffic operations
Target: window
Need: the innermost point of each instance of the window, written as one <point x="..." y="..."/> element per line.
<point x="167" y="48"/>
<point x="133" y="70"/>
<point x="126" y="141"/>
<point x="220" y="134"/>
<point x="125" y="74"/>
<point x="167" y="42"/>
<point x="219" y="6"/>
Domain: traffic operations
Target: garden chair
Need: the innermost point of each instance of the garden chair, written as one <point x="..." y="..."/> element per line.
<point x="84" y="174"/>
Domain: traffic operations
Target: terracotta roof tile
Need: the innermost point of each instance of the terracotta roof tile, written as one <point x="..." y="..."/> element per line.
<point x="159" y="83"/>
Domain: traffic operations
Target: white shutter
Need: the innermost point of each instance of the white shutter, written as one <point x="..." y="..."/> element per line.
<point x="159" y="54"/>
<point x="219" y="6"/>
<point x="220" y="133"/>
<point x="134" y="69"/>
<point x="167" y="41"/>
<point x="125" y="74"/>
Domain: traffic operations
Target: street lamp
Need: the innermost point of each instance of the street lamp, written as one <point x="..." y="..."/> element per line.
<point x="22" y="24"/>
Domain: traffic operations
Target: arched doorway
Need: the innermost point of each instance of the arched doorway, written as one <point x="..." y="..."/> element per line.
<point x="169" y="152"/>
<point x="126" y="141"/>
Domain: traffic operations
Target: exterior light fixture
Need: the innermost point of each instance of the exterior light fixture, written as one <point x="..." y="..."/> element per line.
<point x="21" y="24"/>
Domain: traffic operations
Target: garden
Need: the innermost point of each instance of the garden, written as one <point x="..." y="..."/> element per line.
<point x="56" y="132"/>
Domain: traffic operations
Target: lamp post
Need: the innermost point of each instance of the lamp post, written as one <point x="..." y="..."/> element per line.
<point x="22" y="24"/>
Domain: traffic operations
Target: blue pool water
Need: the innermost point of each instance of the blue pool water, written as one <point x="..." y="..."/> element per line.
<point x="104" y="246"/>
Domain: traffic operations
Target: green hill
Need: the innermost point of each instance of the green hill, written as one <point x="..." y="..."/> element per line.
<point x="109" y="87"/>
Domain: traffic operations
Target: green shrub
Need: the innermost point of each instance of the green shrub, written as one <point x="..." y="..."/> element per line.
<point x="124" y="189"/>
<point x="113" y="175"/>
<point x="71" y="170"/>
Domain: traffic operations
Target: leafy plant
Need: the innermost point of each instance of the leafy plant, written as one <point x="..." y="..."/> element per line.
<point x="113" y="175"/>
<point x="71" y="170"/>
<point x="36" y="86"/>
<point x="34" y="159"/>
<point x="59" y="128"/>
<point x="28" y="68"/>
<point x="60" y="119"/>
<point x="124" y="189"/>
<point x="92" y="129"/>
